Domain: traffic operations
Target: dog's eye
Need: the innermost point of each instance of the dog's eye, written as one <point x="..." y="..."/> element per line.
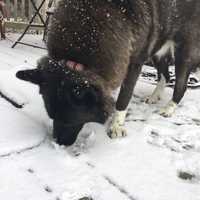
<point x="83" y="97"/>
<point x="77" y="96"/>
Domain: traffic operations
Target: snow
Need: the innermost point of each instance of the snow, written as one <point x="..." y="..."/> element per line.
<point x="144" y="165"/>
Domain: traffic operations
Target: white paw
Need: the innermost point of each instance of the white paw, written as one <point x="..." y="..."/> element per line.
<point x="117" y="131"/>
<point x="153" y="99"/>
<point x="168" y="110"/>
<point x="117" y="128"/>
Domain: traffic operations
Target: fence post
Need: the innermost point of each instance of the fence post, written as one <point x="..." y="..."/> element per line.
<point x="15" y="9"/>
<point x="23" y="10"/>
<point x="8" y="7"/>
<point x="30" y="10"/>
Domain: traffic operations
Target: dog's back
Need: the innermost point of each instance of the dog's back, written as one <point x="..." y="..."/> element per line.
<point x="94" y="34"/>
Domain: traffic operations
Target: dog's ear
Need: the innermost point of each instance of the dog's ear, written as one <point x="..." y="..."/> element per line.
<point x="33" y="76"/>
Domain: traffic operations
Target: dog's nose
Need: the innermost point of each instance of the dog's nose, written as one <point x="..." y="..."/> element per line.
<point x="65" y="134"/>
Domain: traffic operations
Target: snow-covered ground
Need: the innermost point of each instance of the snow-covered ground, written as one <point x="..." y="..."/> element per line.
<point x="158" y="160"/>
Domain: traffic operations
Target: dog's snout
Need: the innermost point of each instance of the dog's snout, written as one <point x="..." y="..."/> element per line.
<point x="65" y="134"/>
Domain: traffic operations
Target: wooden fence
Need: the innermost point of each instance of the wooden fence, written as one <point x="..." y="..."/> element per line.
<point x="22" y="10"/>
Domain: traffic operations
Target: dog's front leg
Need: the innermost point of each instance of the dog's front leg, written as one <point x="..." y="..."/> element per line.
<point x="117" y="128"/>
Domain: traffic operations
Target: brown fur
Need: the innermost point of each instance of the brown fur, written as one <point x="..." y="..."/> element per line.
<point x="112" y="39"/>
<point x="100" y="37"/>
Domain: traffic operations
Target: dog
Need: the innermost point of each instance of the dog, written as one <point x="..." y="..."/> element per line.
<point x="97" y="46"/>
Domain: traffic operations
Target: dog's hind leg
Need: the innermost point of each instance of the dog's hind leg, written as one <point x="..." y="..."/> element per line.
<point x="158" y="91"/>
<point x="117" y="128"/>
<point x="197" y="73"/>
<point x="184" y="62"/>
<point x="162" y="66"/>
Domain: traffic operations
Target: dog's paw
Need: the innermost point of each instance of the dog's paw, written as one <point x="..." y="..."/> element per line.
<point x="117" y="131"/>
<point x="153" y="99"/>
<point x="158" y="92"/>
<point x="168" y="110"/>
<point x="117" y="128"/>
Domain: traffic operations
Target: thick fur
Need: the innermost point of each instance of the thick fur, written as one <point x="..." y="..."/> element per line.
<point x="108" y="36"/>
<point x="113" y="39"/>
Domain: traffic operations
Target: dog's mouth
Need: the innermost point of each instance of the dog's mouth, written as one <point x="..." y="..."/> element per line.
<point x="65" y="134"/>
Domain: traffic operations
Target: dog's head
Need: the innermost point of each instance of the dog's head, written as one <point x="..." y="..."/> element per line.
<point x="71" y="97"/>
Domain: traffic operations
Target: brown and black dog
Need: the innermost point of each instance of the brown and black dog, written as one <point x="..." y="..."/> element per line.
<point x="96" y="46"/>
